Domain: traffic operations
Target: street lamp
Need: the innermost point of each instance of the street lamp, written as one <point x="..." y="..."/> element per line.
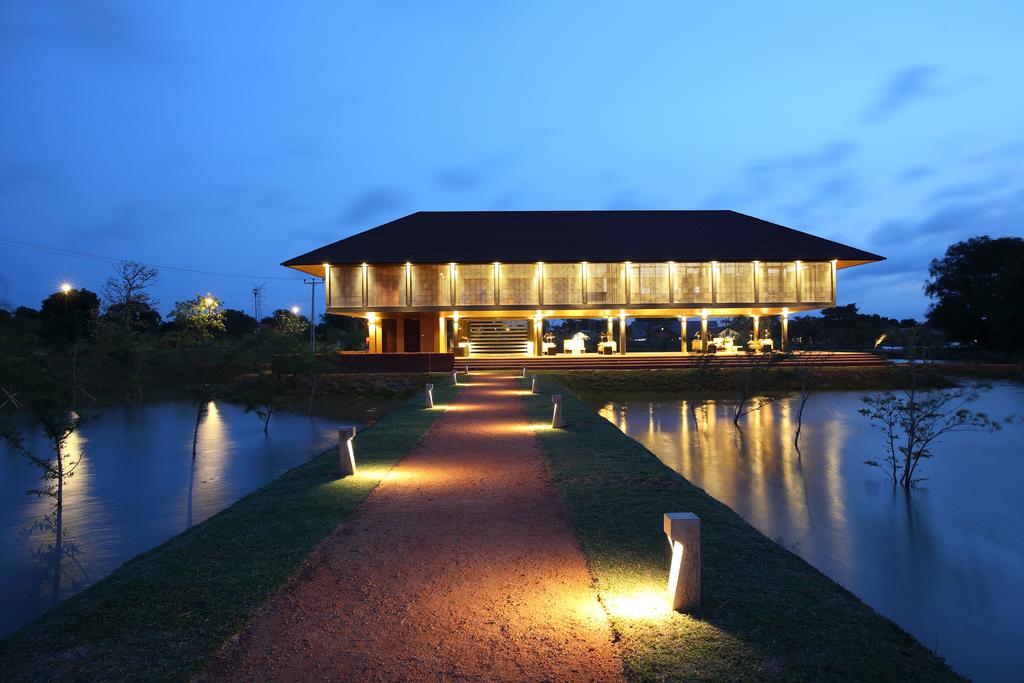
<point x="295" y="310"/>
<point x="65" y="287"/>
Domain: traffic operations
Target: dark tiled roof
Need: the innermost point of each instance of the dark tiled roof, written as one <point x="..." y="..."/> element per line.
<point x="569" y="236"/>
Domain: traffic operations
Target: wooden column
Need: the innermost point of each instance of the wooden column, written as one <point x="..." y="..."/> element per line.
<point x="682" y="334"/>
<point x="622" y="333"/>
<point x="703" y="333"/>
<point x="373" y="330"/>
<point x="442" y="334"/>
<point x="784" y="342"/>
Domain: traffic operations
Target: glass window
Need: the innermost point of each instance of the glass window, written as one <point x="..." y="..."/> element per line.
<point x="431" y="285"/>
<point x="518" y="284"/>
<point x="692" y="283"/>
<point x="346" y="286"/>
<point x="815" y="282"/>
<point x="735" y="282"/>
<point x="563" y="283"/>
<point x="604" y="283"/>
<point x="385" y="286"/>
<point x="777" y="282"/>
<point x="474" y="284"/>
<point x="648" y="283"/>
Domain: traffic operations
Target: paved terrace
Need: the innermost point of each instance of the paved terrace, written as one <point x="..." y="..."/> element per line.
<point x="460" y="566"/>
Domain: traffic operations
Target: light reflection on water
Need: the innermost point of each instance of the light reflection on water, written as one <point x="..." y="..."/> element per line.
<point x="135" y="488"/>
<point x="947" y="563"/>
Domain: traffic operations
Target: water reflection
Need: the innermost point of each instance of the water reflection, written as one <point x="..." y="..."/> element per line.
<point x="135" y="486"/>
<point x="946" y="563"/>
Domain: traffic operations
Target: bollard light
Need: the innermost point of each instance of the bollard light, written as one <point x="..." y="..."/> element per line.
<point x="467" y="368"/>
<point x="557" y="421"/>
<point x="455" y="377"/>
<point x="346" y="451"/>
<point x="533" y="386"/>
<point x="428" y="397"/>
<point x="524" y="373"/>
<point x="683" y="531"/>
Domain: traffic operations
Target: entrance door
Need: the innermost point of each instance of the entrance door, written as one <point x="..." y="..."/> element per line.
<point x="412" y="335"/>
<point x="389" y="335"/>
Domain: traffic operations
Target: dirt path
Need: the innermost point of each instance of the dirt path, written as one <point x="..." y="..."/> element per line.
<point x="460" y="566"/>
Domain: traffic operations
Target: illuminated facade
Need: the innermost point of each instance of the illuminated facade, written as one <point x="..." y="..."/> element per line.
<point x="422" y="281"/>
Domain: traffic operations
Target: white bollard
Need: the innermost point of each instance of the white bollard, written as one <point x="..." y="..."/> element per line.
<point x="524" y="373"/>
<point x="428" y="397"/>
<point x="467" y="368"/>
<point x="533" y="386"/>
<point x="683" y="531"/>
<point x="346" y="451"/>
<point x="557" y="421"/>
<point x="455" y="377"/>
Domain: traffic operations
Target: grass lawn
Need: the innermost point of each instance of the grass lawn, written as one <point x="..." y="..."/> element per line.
<point x="161" y="614"/>
<point x="766" y="613"/>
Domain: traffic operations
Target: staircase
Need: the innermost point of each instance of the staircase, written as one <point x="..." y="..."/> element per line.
<point x="651" y="361"/>
<point x="498" y="337"/>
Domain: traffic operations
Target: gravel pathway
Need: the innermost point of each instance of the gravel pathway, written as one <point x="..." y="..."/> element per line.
<point x="461" y="565"/>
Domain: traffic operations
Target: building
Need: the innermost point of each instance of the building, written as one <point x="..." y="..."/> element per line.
<point x="478" y="282"/>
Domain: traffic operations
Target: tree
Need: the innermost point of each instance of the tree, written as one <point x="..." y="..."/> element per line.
<point x="914" y="420"/>
<point x="238" y="324"/>
<point x="289" y="324"/>
<point x="125" y="291"/>
<point x="976" y="292"/>
<point x="136" y="318"/>
<point x="200" y="317"/>
<point x="262" y="395"/>
<point x="754" y="392"/>
<point x="809" y="375"/>
<point x="67" y="316"/>
<point x="45" y="401"/>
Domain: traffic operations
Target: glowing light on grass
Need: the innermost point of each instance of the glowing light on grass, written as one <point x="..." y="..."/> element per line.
<point x="643" y="604"/>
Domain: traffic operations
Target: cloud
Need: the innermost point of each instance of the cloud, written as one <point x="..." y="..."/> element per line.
<point x="804" y="185"/>
<point x="100" y="27"/>
<point x="369" y="206"/>
<point x="16" y="175"/>
<point x="911" y="85"/>
<point x="129" y="221"/>
<point x="915" y="173"/>
<point x="910" y="245"/>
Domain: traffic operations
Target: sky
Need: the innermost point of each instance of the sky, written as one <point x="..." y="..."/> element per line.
<point x="217" y="139"/>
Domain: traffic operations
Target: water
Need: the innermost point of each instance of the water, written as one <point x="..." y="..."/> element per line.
<point x="945" y="563"/>
<point x="135" y="488"/>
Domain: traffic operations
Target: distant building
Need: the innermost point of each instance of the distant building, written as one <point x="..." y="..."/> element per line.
<point x="481" y="282"/>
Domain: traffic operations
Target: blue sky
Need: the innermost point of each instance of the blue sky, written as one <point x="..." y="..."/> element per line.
<point x="228" y="136"/>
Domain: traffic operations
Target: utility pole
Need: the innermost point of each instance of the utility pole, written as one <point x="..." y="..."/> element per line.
<point x="312" y="312"/>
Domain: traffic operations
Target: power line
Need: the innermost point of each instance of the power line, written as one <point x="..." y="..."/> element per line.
<point x="60" y="251"/>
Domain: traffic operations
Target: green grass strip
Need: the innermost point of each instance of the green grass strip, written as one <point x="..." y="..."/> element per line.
<point x="767" y="614"/>
<point x="163" y="613"/>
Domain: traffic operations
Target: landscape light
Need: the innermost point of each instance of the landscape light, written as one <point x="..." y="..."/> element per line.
<point x="455" y="378"/>
<point x="557" y="419"/>
<point x="65" y="287"/>
<point x="533" y="385"/>
<point x="346" y="451"/>
<point x="295" y="310"/>
<point x="428" y="397"/>
<point x="209" y="300"/>
<point x="683" y="532"/>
